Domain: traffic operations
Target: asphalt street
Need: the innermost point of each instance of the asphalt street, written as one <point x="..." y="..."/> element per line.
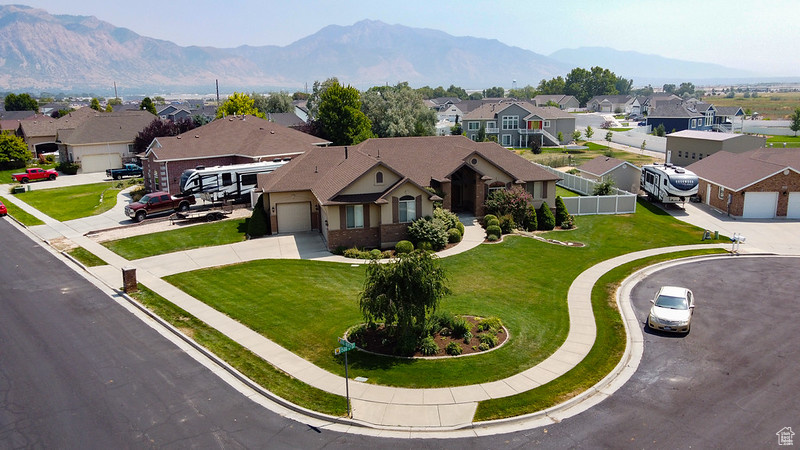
<point x="78" y="370"/>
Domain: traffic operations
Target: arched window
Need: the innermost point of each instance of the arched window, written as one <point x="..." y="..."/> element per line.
<point x="407" y="209"/>
<point x="379" y="178"/>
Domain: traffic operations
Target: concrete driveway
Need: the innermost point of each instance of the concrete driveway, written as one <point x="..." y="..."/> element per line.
<point x="63" y="180"/>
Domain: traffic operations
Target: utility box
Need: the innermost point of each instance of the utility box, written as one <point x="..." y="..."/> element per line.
<point x="129" y="280"/>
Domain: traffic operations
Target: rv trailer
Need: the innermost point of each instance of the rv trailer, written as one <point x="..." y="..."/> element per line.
<point x="225" y="182"/>
<point x="668" y="183"/>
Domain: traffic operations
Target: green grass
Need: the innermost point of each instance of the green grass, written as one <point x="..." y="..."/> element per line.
<point x="606" y="352"/>
<point x="74" y="202"/>
<point x="186" y="238"/>
<point x="563" y="192"/>
<point x="5" y="175"/>
<point x="558" y="157"/>
<point x="620" y="129"/>
<point x="773" y="105"/>
<point x="22" y="216"/>
<point x="86" y="257"/>
<point x="777" y="141"/>
<point x="242" y="359"/>
<point x="305" y="305"/>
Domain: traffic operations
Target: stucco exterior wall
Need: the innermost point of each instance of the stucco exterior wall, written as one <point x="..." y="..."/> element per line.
<point x="367" y="184"/>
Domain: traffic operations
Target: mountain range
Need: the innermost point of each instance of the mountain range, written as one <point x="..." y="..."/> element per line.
<point x="44" y="52"/>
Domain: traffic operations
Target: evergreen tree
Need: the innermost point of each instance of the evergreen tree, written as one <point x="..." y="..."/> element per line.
<point x="257" y="225"/>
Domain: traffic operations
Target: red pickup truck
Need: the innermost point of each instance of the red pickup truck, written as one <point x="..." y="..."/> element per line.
<point x="35" y="173"/>
<point x="156" y="202"/>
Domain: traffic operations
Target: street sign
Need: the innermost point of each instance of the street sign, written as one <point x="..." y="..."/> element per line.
<point x="345" y="347"/>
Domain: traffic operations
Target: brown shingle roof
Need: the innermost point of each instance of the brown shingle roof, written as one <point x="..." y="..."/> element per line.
<point x="44" y="126"/>
<point x="326" y="171"/>
<point x="245" y="136"/>
<point x="737" y="171"/>
<point x="110" y="127"/>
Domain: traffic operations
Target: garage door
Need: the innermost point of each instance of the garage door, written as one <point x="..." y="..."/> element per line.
<point x="793" y="211"/>
<point x="99" y="163"/>
<point x="760" y="205"/>
<point x="294" y="217"/>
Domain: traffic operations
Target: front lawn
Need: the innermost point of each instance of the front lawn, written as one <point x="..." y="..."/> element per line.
<point x="305" y="305"/>
<point x="186" y="238"/>
<point x="86" y="257"/>
<point x="74" y="202"/>
<point x="778" y="141"/>
<point x="23" y="217"/>
<point x="559" y="157"/>
<point x="5" y="175"/>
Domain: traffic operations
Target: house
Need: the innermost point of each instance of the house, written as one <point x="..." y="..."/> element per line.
<point x="516" y="124"/>
<point x="758" y="184"/>
<point x="227" y="141"/>
<point x="687" y="146"/>
<point x="729" y="119"/>
<point x="102" y="141"/>
<point x="289" y="119"/>
<point x="366" y="195"/>
<point x="645" y="103"/>
<point x="39" y="133"/>
<point x="626" y="176"/>
<point x="610" y="103"/>
<point x="564" y="102"/>
<point x="174" y="113"/>
<point x="678" y="116"/>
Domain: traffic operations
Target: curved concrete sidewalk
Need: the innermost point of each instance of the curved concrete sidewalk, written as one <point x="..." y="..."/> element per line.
<point x="396" y="408"/>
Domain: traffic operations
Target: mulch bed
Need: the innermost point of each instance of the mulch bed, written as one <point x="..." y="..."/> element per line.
<point x="378" y="341"/>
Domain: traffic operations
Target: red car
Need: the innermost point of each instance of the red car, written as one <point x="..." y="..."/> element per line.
<point x="3" y="210"/>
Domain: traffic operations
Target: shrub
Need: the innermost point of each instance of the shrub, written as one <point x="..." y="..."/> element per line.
<point x="432" y="230"/>
<point x="425" y="246"/>
<point x="569" y="223"/>
<point x="339" y="250"/>
<point x="467" y="337"/>
<point x="257" y="225"/>
<point x="375" y="253"/>
<point x="493" y="222"/>
<point x="453" y="349"/>
<point x="494" y="230"/>
<point x="493" y="324"/>
<point x="460" y="227"/>
<point x="483" y="347"/>
<point x="448" y="218"/>
<point x="137" y="194"/>
<point x="460" y="326"/>
<point x="428" y="346"/>
<point x="68" y="168"/>
<point x="492" y="237"/>
<point x="357" y="253"/>
<point x="453" y="236"/>
<point x="545" y="218"/>
<point x="487" y="218"/>
<point x="561" y="210"/>
<point x="508" y="201"/>
<point x="507" y="224"/>
<point x="439" y="320"/>
<point x="404" y="247"/>
<point x="530" y="222"/>
<point x="488" y="339"/>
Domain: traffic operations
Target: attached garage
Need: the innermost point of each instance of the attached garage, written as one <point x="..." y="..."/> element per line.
<point x="293" y="217"/>
<point x="793" y="210"/>
<point x="101" y="162"/>
<point x="760" y="205"/>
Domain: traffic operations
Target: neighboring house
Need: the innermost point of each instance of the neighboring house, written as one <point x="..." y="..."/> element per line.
<point x="102" y="141"/>
<point x="564" y="102"/>
<point x="758" y="184"/>
<point x="626" y="176"/>
<point x="223" y="142"/>
<point x="729" y="119"/>
<point x="688" y="146"/>
<point x="647" y="102"/>
<point x="286" y="119"/>
<point x="174" y="113"/>
<point x="517" y="124"/>
<point x="366" y="195"/>
<point x="40" y="132"/>
<point x="679" y="116"/>
<point x="610" y="103"/>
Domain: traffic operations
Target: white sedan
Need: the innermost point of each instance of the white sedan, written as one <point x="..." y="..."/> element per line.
<point x="672" y="310"/>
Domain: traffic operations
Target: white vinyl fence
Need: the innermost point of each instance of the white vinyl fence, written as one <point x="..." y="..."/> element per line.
<point x="620" y="202"/>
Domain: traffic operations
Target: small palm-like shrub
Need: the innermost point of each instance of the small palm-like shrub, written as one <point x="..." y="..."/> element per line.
<point x="483" y="347"/>
<point x="453" y="349"/>
<point x="428" y="346"/>
<point x="460" y="326"/>
<point x="488" y="339"/>
<point x="467" y="337"/>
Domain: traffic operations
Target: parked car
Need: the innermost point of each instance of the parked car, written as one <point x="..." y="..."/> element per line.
<point x="35" y="173"/>
<point x="672" y="310"/>
<point x="3" y="210"/>
<point x="128" y="170"/>
<point x="157" y="202"/>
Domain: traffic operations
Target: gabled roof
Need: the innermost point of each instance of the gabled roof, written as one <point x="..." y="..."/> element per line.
<point x="737" y="171"/>
<point x="419" y="160"/>
<point x="602" y="165"/>
<point x="611" y="98"/>
<point x="286" y="119"/>
<point x="729" y="111"/>
<point x="46" y="126"/>
<point x="246" y="136"/>
<point x="110" y="127"/>
<point x="561" y="99"/>
<point x="17" y="115"/>
<point x="672" y="110"/>
<point x="491" y="110"/>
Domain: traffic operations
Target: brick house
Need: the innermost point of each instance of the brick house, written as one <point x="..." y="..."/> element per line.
<point x="223" y="142"/>
<point x="366" y="195"/>
<point x="758" y="184"/>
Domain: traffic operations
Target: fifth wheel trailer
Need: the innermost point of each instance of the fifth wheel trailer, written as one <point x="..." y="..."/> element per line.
<point x="225" y="182"/>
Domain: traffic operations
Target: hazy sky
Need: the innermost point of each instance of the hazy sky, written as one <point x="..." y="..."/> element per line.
<point x="761" y="36"/>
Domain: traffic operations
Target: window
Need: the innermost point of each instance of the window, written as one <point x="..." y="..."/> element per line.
<point x="699" y="156"/>
<point x="510" y="122"/>
<point x="547" y="124"/>
<point x="694" y="123"/>
<point x="407" y="209"/>
<point x="473" y="126"/>
<point x="379" y="178"/>
<point x="692" y="155"/>
<point x="721" y="193"/>
<point x="355" y="216"/>
<point x="249" y="179"/>
<point x="679" y="154"/>
<point x="506" y="140"/>
<point x="474" y="137"/>
<point x="491" y="125"/>
<point x="226" y="179"/>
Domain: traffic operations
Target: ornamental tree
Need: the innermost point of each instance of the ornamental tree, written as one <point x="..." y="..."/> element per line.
<point x="239" y="104"/>
<point x="14" y="153"/>
<point x="512" y="201"/>
<point x="341" y="117"/>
